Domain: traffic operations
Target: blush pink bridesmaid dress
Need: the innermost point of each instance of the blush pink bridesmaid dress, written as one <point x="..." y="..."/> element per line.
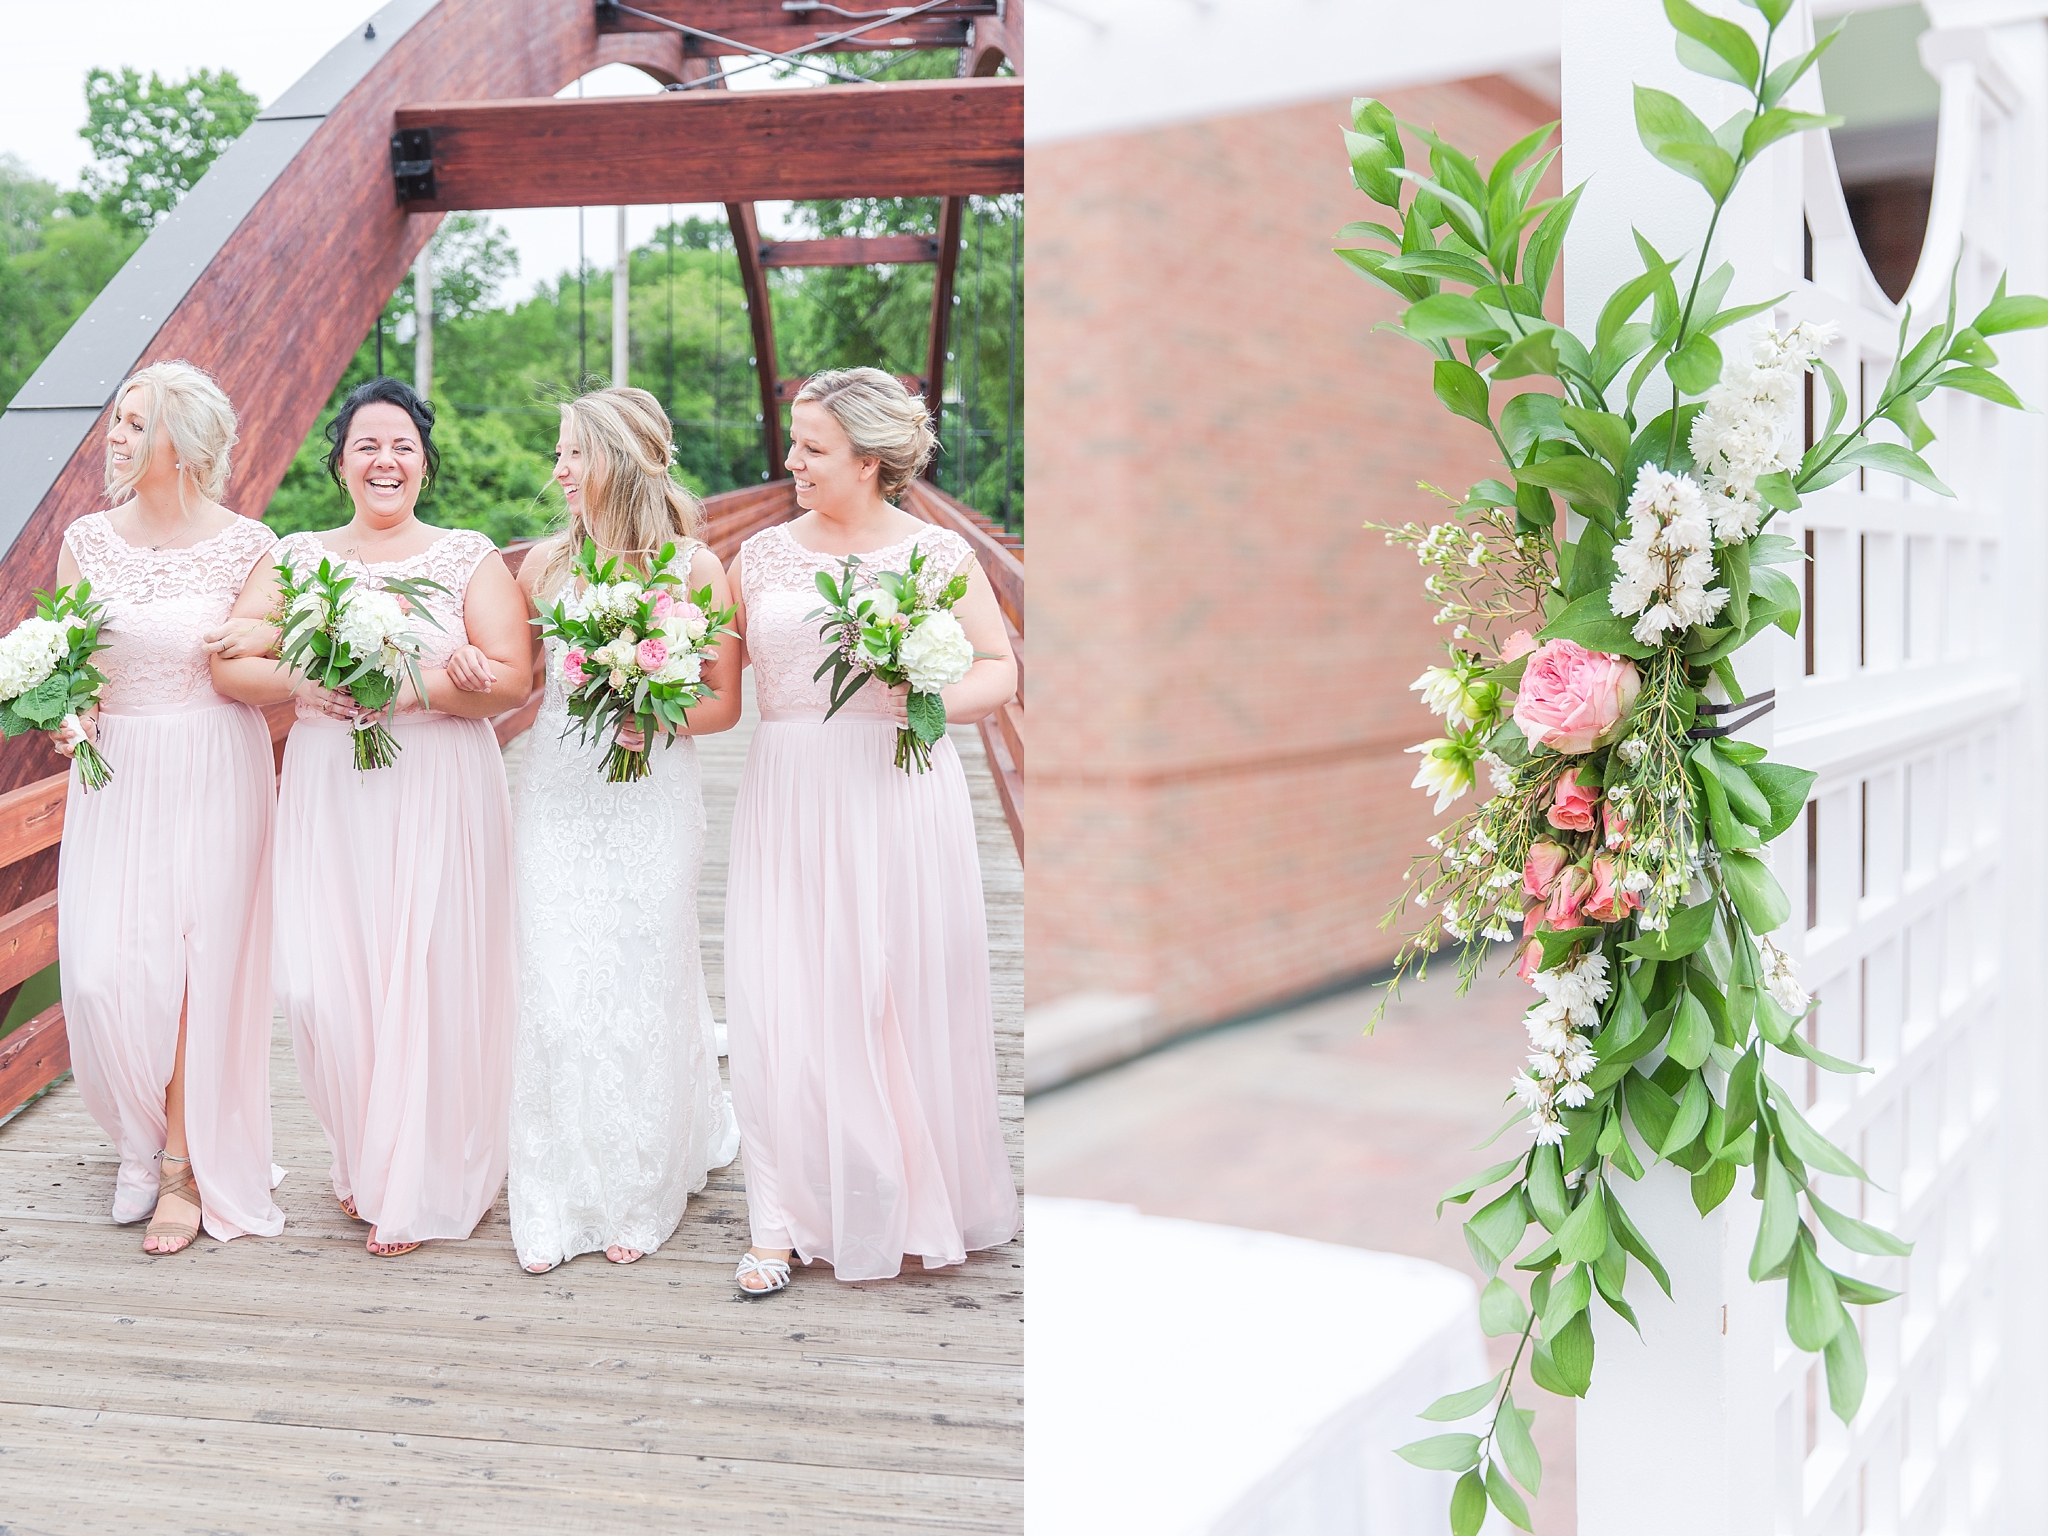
<point x="861" y="1034"/>
<point x="163" y="884"/>
<point x="394" y="950"/>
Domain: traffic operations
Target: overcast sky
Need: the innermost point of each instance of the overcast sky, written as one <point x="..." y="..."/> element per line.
<point x="268" y="44"/>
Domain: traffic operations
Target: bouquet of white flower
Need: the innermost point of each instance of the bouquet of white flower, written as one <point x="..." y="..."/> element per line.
<point x="346" y="635"/>
<point x="47" y="675"/>
<point x="636" y="651"/>
<point x="897" y="627"/>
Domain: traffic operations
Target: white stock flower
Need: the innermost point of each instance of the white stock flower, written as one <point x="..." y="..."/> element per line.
<point x="936" y="653"/>
<point x="1746" y="428"/>
<point x="1781" y="979"/>
<point x="1667" y="559"/>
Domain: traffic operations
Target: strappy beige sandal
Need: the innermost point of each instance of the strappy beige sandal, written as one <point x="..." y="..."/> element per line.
<point x="378" y="1250"/>
<point x="174" y="1184"/>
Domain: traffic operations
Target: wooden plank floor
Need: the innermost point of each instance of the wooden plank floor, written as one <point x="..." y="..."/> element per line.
<point x="296" y="1384"/>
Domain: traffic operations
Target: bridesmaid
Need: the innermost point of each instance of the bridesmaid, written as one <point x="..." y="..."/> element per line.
<point x="857" y="990"/>
<point x="163" y="883"/>
<point x="617" y="1111"/>
<point x="394" y="952"/>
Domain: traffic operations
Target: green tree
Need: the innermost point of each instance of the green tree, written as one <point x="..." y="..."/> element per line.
<point x="153" y="139"/>
<point x="54" y="259"/>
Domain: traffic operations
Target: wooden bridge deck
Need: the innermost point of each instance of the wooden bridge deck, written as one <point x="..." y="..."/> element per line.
<point x="297" y="1384"/>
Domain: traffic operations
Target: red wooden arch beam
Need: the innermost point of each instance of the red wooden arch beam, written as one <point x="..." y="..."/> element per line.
<point x="771" y="26"/>
<point x="851" y="251"/>
<point x="746" y="243"/>
<point x="926" y="138"/>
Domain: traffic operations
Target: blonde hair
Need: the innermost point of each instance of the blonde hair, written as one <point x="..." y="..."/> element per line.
<point x="630" y="505"/>
<point x="881" y="418"/>
<point x="195" y="415"/>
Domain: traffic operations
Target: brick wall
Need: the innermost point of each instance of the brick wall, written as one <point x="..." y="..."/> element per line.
<point x="1220" y="653"/>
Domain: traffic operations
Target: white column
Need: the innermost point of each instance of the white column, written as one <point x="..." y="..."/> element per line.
<point x="423" y="321"/>
<point x="620" y="274"/>
<point x="1676" y="1432"/>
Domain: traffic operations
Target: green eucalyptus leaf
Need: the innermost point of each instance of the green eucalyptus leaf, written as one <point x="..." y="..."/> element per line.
<point x="1504" y="1498"/>
<point x="1979" y="381"/>
<point x="1755" y="892"/>
<point x="1690" y="927"/>
<point x="1897" y="459"/>
<point x="1857" y="1235"/>
<point x="1468" y="1504"/>
<point x="1583" y="1237"/>
<point x="1813" y="1311"/>
<point x="1442" y="1453"/>
<point x="2019" y="312"/>
<point x="1461" y="1405"/>
<point x="1847" y="1374"/>
<point x="1708" y="45"/>
<point x="1804" y="1140"/>
<point x="1501" y="1311"/>
<point x="1691" y="1034"/>
<point x="1780" y="1223"/>
<point x="1511" y="1437"/>
<point x="1591" y="622"/>
<point x="1464" y="1190"/>
<point x="1571" y="1355"/>
<point x="1697" y="367"/>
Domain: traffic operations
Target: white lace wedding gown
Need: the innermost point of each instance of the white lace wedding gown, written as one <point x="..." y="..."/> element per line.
<point x="617" y="1111"/>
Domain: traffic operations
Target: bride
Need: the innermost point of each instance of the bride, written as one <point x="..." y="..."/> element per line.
<point x="617" y="1112"/>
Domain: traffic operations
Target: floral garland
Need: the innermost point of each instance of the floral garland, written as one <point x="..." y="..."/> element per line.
<point x="1623" y="848"/>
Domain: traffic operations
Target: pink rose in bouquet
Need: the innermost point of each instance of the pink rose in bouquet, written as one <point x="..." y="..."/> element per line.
<point x="651" y="653"/>
<point x="1539" y="873"/>
<point x="1572" y="811"/>
<point x="1519" y="644"/>
<point x="1609" y="903"/>
<point x="1615" y="824"/>
<point x="1531" y="962"/>
<point x="572" y="669"/>
<point x="1567" y="895"/>
<point x="663" y="602"/>
<point x="1571" y="699"/>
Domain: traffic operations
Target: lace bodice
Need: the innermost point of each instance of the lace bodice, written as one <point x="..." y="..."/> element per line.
<point x="159" y="604"/>
<point x="778" y="580"/>
<point x="451" y="560"/>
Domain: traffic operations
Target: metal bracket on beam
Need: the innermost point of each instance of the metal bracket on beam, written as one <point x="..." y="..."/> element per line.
<point x="412" y="164"/>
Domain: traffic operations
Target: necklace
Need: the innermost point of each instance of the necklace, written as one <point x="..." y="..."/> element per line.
<point x="176" y="532"/>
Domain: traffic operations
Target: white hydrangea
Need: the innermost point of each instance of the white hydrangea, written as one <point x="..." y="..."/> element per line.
<point x="30" y="654"/>
<point x="1747" y="430"/>
<point x="936" y="653"/>
<point x="1667" y="559"/>
<point x="371" y="623"/>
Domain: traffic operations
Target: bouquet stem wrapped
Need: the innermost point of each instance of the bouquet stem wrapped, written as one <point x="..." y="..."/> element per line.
<point x="346" y="634"/>
<point x="897" y="627"/>
<point x="634" y="651"/>
<point x="47" y="674"/>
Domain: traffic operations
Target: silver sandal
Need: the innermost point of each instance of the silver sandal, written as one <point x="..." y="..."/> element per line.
<point x="774" y="1271"/>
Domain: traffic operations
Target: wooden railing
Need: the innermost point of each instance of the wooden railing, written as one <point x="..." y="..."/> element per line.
<point x="37" y="1053"/>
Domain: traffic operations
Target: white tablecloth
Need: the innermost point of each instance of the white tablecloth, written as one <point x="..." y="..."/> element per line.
<point x="1182" y="1378"/>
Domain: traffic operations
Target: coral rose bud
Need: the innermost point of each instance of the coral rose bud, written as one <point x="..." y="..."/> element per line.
<point x="1572" y="810"/>
<point x="1614" y="825"/>
<point x="1609" y="903"/>
<point x="1531" y="961"/>
<point x="1567" y="895"/>
<point x="1519" y="644"/>
<point x="1540" y="870"/>
<point x="1571" y="699"/>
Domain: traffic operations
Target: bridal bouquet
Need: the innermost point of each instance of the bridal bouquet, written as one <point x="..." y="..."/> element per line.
<point x="344" y="633"/>
<point x="47" y="675"/>
<point x="1621" y="845"/>
<point x="635" y="651"/>
<point x="898" y="628"/>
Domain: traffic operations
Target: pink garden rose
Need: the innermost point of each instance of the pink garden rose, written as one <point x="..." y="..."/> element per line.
<point x="1531" y="962"/>
<point x="1571" y="699"/>
<point x="1572" y="810"/>
<point x="662" y="603"/>
<point x="1573" y="885"/>
<point x="1609" y="903"/>
<point x="651" y="653"/>
<point x="1540" y="871"/>
<point x="572" y="669"/>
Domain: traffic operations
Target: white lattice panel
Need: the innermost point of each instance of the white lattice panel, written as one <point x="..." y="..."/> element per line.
<point x="1912" y="691"/>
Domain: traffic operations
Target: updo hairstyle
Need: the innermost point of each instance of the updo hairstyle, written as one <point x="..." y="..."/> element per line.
<point x="882" y="419"/>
